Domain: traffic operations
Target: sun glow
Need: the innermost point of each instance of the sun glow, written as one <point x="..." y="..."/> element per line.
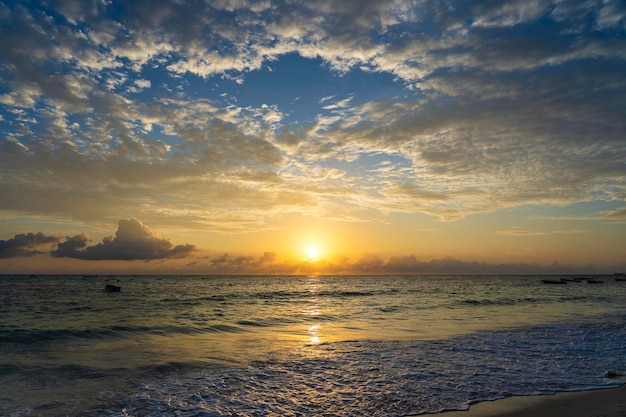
<point x="313" y="253"/>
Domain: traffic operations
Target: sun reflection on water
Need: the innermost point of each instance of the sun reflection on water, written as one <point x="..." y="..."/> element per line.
<point x="314" y="310"/>
<point x="315" y="339"/>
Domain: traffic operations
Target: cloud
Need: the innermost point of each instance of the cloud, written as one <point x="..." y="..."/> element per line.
<point x="139" y="85"/>
<point x="372" y="264"/>
<point x="526" y="233"/>
<point x="615" y="216"/>
<point x="132" y="241"/>
<point x="27" y="244"/>
<point x="503" y="105"/>
<point x="449" y="265"/>
<point x="618" y="214"/>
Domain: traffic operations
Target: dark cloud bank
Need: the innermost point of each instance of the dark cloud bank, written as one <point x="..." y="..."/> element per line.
<point x="25" y="244"/>
<point x="396" y="265"/>
<point x="132" y="241"/>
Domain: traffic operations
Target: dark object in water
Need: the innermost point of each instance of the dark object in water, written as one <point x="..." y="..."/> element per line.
<point x="619" y="276"/>
<point x="594" y="281"/>
<point x="554" y="281"/>
<point x="112" y="285"/>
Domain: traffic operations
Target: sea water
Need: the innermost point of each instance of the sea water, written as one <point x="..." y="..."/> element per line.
<point x="300" y="345"/>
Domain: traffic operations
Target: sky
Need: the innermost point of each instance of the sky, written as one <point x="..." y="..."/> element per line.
<point x="318" y="136"/>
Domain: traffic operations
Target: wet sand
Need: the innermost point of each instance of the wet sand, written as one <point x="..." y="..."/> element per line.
<point x="596" y="403"/>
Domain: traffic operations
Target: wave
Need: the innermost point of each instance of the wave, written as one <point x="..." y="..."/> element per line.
<point x="10" y="369"/>
<point x="253" y="323"/>
<point x="529" y="300"/>
<point x="223" y="328"/>
<point x="196" y="300"/>
<point x="294" y="295"/>
<point x="35" y="336"/>
<point x="497" y="302"/>
<point x="53" y="373"/>
<point x="278" y="296"/>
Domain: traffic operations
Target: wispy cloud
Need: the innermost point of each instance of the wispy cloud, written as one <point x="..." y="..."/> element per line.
<point x="617" y="215"/>
<point x="525" y="233"/>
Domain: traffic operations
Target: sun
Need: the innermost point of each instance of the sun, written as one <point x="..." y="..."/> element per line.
<point x="313" y="253"/>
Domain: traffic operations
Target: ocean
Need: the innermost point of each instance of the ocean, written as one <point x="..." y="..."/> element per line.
<point x="300" y="345"/>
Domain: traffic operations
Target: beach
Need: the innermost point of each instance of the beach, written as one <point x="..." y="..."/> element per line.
<point x="593" y="403"/>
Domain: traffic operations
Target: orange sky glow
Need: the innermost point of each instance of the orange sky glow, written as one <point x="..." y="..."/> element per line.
<point x="368" y="138"/>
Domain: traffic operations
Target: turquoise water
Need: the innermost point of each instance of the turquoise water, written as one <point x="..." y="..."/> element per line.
<point x="300" y="345"/>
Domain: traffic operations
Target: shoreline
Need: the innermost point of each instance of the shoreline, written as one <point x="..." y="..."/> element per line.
<point x="602" y="402"/>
